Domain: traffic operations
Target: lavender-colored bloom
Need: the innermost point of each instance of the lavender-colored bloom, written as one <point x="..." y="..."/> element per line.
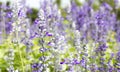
<point x="43" y="58"/>
<point x="48" y="34"/>
<point x="104" y="23"/>
<point x="93" y="68"/>
<point x="62" y="62"/>
<point x="36" y="21"/>
<point x="35" y="65"/>
<point x="75" y="62"/>
<point x="43" y="49"/>
<point x="118" y="54"/>
<point x="82" y="62"/>
<point x="101" y="48"/>
<point x="33" y="36"/>
<point x="9" y="14"/>
<point x="107" y="6"/>
<point x="29" y="10"/>
<point x="21" y="13"/>
<point x="8" y="27"/>
<point x="101" y="69"/>
<point x="111" y="69"/>
<point x="118" y="57"/>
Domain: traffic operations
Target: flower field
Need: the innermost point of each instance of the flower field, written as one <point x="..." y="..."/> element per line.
<point x="82" y="37"/>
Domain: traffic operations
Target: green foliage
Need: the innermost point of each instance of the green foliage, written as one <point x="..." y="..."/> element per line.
<point x="33" y="15"/>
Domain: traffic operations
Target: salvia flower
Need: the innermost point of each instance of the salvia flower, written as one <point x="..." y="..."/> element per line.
<point x="77" y="38"/>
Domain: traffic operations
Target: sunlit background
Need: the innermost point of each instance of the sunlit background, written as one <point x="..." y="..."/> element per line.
<point x="36" y="3"/>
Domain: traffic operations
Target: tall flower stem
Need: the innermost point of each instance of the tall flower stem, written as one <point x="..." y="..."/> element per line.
<point x="17" y="42"/>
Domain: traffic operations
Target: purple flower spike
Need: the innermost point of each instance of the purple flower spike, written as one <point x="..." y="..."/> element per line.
<point x="107" y="6"/>
<point x="31" y="37"/>
<point x="82" y="62"/>
<point x="34" y="65"/>
<point x="36" y="21"/>
<point x="118" y="54"/>
<point x="118" y="57"/>
<point x="62" y="62"/>
<point x="21" y="13"/>
<point x="9" y="14"/>
<point x="8" y="27"/>
<point x="48" y="34"/>
<point x="75" y="61"/>
<point x="102" y="47"/>
<point x="43" y="49"/>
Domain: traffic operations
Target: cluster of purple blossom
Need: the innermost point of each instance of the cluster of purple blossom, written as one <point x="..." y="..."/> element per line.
<point x="74" y="39"/>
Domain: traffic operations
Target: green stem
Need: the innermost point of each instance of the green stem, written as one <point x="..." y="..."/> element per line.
<point x="21" y="59"/>
<point x="20" y="54"/>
